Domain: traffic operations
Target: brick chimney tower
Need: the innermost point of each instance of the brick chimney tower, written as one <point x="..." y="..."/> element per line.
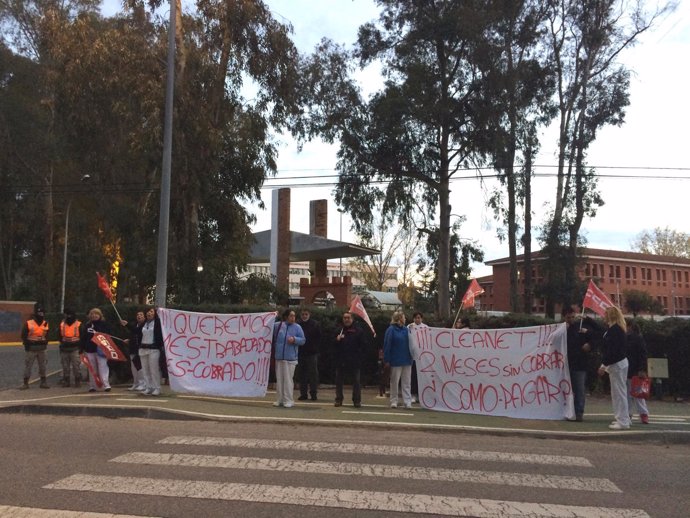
<point x="280" y="238"/>
<point x="318" y="226"/>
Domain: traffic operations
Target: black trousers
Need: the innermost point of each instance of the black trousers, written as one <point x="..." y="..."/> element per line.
<point x="340" y="371"/>
<point x="309" y="375"/>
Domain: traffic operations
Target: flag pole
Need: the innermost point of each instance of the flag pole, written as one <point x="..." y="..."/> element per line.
<point x="116" y="311"/>
<point x="457" y="315"/>
<point x="582" y="316"/>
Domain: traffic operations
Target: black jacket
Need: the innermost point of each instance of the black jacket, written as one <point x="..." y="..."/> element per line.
<point x="578" y="360"/>
<point x="87" y="331"/>
<point x="636" y="352"/>
<point x="615" y="345"/>
<point x="312" y="333"/>
<point x="135" y="335"/>
<point x="350" y="349"/>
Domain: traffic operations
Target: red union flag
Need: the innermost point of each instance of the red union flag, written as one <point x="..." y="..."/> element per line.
<point x="94" y="375"/>
<point x="108" y="347"/>
<point x="357" y="308"/>
<point x="104" y="287"/>
<point x="596" y="300"/>
<point x="473" y="290"/>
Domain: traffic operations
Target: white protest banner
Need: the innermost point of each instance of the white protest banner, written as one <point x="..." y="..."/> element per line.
<point x="218" y="354"/>
<point x="517" y="372"/>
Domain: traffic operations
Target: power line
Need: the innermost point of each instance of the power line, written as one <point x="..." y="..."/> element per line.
<point x="131" y="188"/>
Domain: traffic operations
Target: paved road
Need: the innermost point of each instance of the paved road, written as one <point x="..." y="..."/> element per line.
<point x="140" y="467"/>
<point x="12" y="365"/>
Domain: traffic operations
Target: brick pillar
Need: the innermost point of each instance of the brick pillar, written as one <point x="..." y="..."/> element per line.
<point x="280" y="238"/>
<point x="318" y="226"/>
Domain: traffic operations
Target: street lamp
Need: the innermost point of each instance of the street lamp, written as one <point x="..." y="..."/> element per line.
<point x="84" y="178"/>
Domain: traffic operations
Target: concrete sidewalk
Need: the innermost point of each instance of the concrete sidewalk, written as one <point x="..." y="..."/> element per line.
<point x="669" y="421"/>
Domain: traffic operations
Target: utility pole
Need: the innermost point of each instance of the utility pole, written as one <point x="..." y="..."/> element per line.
<point x="164" y="213"/>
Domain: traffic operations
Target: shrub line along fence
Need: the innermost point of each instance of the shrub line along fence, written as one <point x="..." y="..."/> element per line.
<point x="668" y="338"/>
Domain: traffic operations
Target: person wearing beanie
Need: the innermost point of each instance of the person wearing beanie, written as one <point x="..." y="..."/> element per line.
<point x="69" y="348"/>
<point x="35" y="340"/>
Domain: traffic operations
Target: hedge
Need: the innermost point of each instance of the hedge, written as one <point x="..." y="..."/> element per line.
<point x="669" y="338"/>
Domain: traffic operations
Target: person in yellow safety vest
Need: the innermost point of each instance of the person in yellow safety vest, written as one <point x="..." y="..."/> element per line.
<point x="69" y="348"/>
<point x="35" y="340"/>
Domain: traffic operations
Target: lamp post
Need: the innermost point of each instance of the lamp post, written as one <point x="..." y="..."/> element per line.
<point x="84" y="178"/>
<point x="199" y="269"/>
<point x="164" y="212"/>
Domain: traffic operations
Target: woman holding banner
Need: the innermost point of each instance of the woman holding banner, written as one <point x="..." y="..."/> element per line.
<point x="287" y="337"/>
<point x="396" y="352"/>
<point x="150" y="337"/>
<point x="615" y="363"/>
<point x="97" y="363"/>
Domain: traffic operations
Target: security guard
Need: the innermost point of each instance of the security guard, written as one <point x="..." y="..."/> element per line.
<point x="35" y="340"/>
<point x="69" y="348"/>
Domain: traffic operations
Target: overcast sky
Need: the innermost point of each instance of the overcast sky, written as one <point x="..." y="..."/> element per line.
<point x="653" y="140"/>
<point x="653" y="137"/>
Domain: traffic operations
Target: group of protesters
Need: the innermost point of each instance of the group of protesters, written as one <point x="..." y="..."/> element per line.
<point x="297" y="343"/>
<point x="624" y="356"/>
<point x="146" y="351"/>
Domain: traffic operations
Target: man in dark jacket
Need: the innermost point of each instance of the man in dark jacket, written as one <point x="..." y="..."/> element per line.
<point x="578" y="360"/>
<point x="309" y="357"/>
<point x="349" y="349"/>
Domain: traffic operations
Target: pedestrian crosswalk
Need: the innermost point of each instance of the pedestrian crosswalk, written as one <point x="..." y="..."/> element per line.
<point x="364" y="463"/>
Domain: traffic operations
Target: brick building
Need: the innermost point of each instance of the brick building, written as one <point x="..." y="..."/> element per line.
<point x="667" y="279"/>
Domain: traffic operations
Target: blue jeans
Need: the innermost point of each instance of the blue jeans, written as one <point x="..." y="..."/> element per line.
<point x="578" y="379"/>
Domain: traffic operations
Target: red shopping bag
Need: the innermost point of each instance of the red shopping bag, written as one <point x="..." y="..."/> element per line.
<point x="640" y="387"/>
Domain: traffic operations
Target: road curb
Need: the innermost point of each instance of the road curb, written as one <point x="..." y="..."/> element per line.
<point x="150" y="412"/>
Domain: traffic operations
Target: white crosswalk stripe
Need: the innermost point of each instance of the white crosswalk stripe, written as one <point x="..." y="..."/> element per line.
<point x="371" y="449"/>
<point x="372" y="470"/>
<point x="354" y="499"/>
<point x="8" y="511"/>
<point x="335" y="498"/>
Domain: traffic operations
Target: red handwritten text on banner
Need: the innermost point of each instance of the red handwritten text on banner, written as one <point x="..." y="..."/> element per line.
<point x="225" y="355"/>
<point x="520" y="372"/>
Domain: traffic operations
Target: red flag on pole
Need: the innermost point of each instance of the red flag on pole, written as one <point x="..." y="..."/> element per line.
<point x="473" y="290"/>
<point x="357" y="308"/>
<point x="92" y="372"/>
<point x="596" y="300"/>
<point x="104" y="287"/>
<point x="108" y="347"/>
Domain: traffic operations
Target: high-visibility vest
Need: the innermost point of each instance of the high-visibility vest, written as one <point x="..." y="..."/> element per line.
<point x="37" y="332"/>
<point x="70" y="333"/>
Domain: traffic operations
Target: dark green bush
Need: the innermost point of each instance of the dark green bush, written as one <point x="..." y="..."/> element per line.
<point x="669" y="338"/>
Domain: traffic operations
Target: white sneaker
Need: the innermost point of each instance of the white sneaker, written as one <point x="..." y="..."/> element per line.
<point x="156" y="392"/>
<point x="140" y="388"/>
<point x="147" y="392"/>
<point x="133" y="387"/>
<point x="289" y="405"/>
<point x="394" y="405"/>
<point x="408" y="407"/>
<point x="618" y="426"/>
<point x="277" y="403"/>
